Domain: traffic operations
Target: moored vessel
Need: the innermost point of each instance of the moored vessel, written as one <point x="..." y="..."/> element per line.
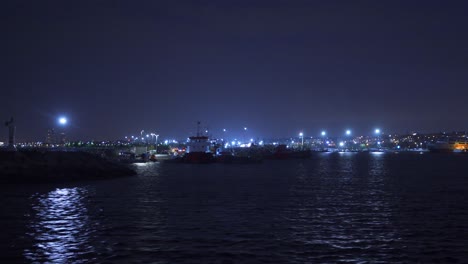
<point x="198" y="149"/>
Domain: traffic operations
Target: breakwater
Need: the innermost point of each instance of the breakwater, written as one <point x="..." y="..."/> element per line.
<point x="57" y="166"/>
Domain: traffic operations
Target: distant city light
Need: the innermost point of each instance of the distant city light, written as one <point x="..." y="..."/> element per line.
<point x="341" y="144"/>
<point x="324" y="133"/>
<point x="301" y="134"/>
<point x="245" y="128"/>
<point x="224" y="130"/>
<point x="348" y="132"/>
<point x="377" y="131"/>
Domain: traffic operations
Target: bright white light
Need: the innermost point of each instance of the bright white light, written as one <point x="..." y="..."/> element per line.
<point x="377" y="131"/>
<point x="245" y="128"/>
<point x="324" y="133"/>
<point x="224" y="130"/>
<point x="63" y="120"/>
<point x="301" y="134"/>
<point x="341" y="144"/>
<point x="251" y="140"/>
<point x="348" y="132"/>
<point x="233" y="143"/>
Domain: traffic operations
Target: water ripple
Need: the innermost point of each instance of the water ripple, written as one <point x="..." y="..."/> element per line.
<point x="349" y="207"/>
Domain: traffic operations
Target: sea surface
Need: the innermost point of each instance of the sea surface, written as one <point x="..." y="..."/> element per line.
<point x="332" y="207"/>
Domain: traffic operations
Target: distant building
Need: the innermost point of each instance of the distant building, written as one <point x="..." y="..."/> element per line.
<point x="50" y="138"/>
<point x="62" y="138"/>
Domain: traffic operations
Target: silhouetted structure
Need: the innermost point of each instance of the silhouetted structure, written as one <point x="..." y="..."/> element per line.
<point x="11" y="133"/>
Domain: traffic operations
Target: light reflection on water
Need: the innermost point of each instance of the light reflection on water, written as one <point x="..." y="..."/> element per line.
<point x="345" y="211"/>
<point x="60" y="228"/>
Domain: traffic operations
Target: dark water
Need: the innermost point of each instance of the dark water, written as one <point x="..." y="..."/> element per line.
<point x="349" y="207"/>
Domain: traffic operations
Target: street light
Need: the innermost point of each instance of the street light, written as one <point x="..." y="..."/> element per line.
<point x="62" y="120"/>
<point x="323" y="139"/>
<point x="245" y="132"/>
<point x="302" y="139"/>
<point x="156" y="143"/>
<point x="377" y="133"/>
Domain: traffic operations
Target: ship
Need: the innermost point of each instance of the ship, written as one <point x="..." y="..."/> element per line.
<point x="198" y="149"/>
<point x="449" y="145"/>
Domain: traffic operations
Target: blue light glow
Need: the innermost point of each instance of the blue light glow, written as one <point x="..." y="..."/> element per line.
<point x="62" y="120"/>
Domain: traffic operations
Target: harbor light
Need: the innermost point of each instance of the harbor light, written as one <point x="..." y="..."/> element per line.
<point x="62" y="121"/>
<point x="302" y="139"/>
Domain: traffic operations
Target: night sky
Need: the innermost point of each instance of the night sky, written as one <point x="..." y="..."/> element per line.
<point x="275" y="67"/>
